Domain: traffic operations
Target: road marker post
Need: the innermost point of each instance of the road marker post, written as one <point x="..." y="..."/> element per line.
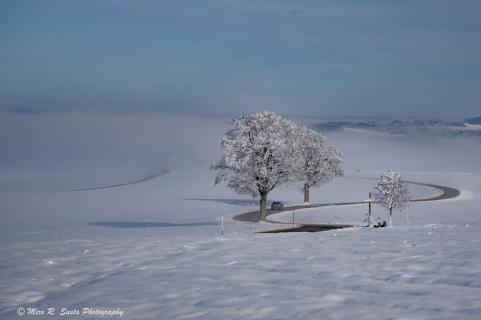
<point x="369" y="203"/>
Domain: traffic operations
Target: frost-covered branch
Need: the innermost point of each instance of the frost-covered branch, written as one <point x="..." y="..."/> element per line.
<point x="318" y="163"/>
<point x="259" y="154"/>
<point x="392" y="192"/>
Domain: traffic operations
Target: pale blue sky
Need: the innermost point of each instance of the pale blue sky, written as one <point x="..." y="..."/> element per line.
<point x="323" y="58"/>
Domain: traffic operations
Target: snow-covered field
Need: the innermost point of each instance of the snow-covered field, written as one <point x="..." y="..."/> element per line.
<point x="154" y="250"/>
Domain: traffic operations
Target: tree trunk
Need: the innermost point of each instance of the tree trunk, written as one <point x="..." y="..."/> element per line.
<point x="263" y="206"/>
<point x="390" y="217"/>
<point x="306" y="193"/>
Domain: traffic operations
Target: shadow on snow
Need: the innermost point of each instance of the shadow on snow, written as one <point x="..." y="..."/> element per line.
<point x="236" y="202"/>
<point x="134" y="224"/>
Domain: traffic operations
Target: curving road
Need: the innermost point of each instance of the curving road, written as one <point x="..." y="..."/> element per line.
<point x="144" y="179"/>
<point x="253" y="216"/>
<point x="447" y="192"/>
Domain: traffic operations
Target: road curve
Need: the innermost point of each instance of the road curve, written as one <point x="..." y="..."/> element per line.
<point x="253" y="216"/>
<point x="144" y="179"/>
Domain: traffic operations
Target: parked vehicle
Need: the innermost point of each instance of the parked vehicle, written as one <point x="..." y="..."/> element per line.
<point x="277" y="205"/>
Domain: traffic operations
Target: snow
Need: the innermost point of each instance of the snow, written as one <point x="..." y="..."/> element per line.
<point x="320" y="163"/>
<point x="428" y="268"/>
<point x="154" y="250"/>
<point x="260" y="152"/>
<point x="467" y="127"/>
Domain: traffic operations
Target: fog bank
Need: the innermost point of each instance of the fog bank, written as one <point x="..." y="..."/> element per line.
<point x="51" y="151"/>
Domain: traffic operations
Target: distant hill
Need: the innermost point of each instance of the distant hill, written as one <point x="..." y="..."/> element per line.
<point x="394" y="126"/>
<point x="433" y="127"/>
<point x="476" y="120"/>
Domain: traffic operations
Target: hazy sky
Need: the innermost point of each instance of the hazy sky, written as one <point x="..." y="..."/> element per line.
<point x="325" y="58"/>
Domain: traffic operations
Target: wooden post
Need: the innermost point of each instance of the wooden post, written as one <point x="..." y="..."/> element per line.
<point x="293" y="216"/>
<point x="370" y="216"/>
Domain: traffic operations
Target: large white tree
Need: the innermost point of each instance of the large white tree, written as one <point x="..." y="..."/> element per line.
<point x="392" y="192"/>
<point x="259" y="154"/>
<point x="318" y="163"/>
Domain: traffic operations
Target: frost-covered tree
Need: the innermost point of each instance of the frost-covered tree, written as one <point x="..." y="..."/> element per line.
<point x="259" y="154"/>
<point x="392" y="192"/>
<point x="318" y="163"/>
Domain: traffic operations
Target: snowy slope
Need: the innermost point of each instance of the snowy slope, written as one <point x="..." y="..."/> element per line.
<point x="154" y="249"/>
<point x="154" y="263"/>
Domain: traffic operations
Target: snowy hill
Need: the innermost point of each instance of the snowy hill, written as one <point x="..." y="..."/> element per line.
<point x="475" y="121"/>
<point x="431" y="127"/>
<point x="153" y="250"/>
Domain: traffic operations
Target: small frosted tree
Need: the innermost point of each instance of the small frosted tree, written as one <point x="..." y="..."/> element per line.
<point x="392" y="192"/>
<point x="318" y="163"/>
<point x="259" y="154"/>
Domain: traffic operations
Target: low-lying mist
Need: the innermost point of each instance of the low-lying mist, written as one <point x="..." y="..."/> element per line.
<point x="49" y="151"/>
<point x="84" y="149"/>
<point x="372" y="151"/>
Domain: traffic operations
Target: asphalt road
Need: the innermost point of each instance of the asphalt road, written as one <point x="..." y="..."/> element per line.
<point x="253" y="216"/>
